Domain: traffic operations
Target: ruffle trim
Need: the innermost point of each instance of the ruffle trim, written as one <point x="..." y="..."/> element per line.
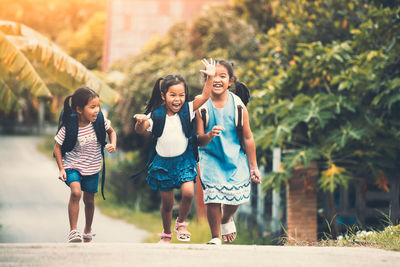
<point x="227" y="194"/>
<point x="168" y="173"/>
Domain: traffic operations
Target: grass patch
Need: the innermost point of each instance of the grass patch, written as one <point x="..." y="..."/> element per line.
<point x="388" y="239"/>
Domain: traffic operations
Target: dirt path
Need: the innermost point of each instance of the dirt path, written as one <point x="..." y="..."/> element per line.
<point x="33" y="202"/>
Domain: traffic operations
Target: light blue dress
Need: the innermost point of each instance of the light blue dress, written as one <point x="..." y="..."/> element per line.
<point x="224" y="169"/>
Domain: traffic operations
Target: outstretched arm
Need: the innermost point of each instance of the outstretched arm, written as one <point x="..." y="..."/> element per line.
<point x="210" y="72"/>
<point x="250" y="147"/>
<point x="141" y="123"/>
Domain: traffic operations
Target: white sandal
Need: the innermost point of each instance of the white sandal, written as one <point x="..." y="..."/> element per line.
<point x="74" y="236"/>
<point x="229" y="228"/>
<point x="214" y="241"/>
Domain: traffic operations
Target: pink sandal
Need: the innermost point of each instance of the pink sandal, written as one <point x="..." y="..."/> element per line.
<point x="184" y="235"/>
<point x="163" y="236"/>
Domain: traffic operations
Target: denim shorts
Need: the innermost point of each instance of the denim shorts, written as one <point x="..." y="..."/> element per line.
<point x="89" y="183"/>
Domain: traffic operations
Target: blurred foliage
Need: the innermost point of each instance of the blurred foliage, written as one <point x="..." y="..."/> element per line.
<point x="77" y="26"/>
<point x="327" y="86"/>
<point x="27" y="58"/>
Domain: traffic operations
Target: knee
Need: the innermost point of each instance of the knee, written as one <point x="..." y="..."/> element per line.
<point x="76" y="195"/>
<point x="187" y="195"/>
<point x="167" y="207"/>
<point x="88" y="201"/>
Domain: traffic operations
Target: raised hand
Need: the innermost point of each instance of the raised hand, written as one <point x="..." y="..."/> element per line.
<point x="210" y="67"/>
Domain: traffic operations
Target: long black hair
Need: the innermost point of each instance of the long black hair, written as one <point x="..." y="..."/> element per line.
<point x="79" y="98"/>
<point x="161" y="86"/>
<point x="241" y="89"/>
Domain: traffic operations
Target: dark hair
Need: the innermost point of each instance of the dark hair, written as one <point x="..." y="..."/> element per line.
<point x="161" y="86"/>
<point x="79" y="98"/>
<point x="241" y="89"/>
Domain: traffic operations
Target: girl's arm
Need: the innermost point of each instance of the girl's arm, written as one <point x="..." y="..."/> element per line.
<point x="205" y="138"/>
<point x="141" y="123"/>
<point x="113" y="140"/>
<point x="206" y="93"/>
<point x="250" y="147"/>
<point x="57" y="153"/>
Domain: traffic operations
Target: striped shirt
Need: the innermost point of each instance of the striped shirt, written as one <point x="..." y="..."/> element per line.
<point x="86" y="155"/>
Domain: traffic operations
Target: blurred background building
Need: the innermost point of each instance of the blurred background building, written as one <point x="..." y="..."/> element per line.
<point x="131" y="23"/>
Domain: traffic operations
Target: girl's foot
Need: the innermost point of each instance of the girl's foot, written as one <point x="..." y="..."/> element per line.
<point x="88" y="237"/>
<point x="165" y="238"/>
<point x="74" y="236"/>
<point x="181" y="232"/>
<point x="214" y="241"/>
<point x="228" y="231"/>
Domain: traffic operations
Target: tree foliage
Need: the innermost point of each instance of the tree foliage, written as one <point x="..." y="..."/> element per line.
<point x="328" y="88"/>
<point x="26" y="56"/>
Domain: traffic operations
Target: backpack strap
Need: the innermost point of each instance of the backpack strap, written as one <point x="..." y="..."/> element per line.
<point x="204" y="115"/>
<point x="239" y="106"/>
<point x="100" y="131"/>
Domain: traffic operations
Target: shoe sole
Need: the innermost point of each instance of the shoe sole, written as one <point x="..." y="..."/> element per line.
<point x="75" y="240"/>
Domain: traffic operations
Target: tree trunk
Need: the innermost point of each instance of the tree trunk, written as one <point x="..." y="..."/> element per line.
<point x="302" y="204"/>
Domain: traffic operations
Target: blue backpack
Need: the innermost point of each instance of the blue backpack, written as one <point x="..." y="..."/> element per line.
<point x="158" y="116"/>
<point x="71" y="136"/>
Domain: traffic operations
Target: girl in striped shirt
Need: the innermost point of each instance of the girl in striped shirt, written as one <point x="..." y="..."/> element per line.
<point x="78" y="152"/>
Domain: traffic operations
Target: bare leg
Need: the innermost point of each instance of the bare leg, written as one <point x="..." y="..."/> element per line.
<point x="227" y="213"/>
<point x="186" y="202"/>
<point x="214" y="215"/>
<point x="184" y="208"/>
<point x="88" y="200"/>
<point x="73" y="205"/>
<point x="167" y="201"/>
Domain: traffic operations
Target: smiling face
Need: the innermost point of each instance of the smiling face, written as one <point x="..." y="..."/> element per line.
<point x="222" y="81"/>
<point x="89" y="112"/>
<point x="174" y="98"/>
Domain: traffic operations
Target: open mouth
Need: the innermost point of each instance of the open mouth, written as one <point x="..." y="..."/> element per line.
<point x="217" y="86"/>
<point x="176" y="106"/>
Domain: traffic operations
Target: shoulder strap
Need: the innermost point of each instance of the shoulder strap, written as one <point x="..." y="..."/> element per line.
<point x="184" y="115"/>
<point x="100" y="129"/>
<point x="158" y="117"/>
<point x="204" y="115"/>
<point x="239" y="118"/>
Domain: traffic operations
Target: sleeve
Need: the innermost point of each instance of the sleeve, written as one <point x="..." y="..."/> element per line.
<point x="59" y="138"/>
<point x="192" y="113"/>
<point x="150" y="121"/>
<point x="107" y="124"/>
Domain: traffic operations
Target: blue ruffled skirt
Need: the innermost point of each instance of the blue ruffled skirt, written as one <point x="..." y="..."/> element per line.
<point x="167" y="173"/>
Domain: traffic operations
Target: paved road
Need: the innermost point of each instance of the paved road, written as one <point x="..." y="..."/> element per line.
<point x="33" y="202"/>
<point x="176" y="255"/>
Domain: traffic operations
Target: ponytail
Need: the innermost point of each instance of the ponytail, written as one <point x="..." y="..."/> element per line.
<point x="67" y="111"/>
<point x="242" y="91"/>
<point x="155" y="100"/>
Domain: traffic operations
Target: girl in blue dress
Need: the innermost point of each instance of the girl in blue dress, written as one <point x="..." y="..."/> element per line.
<point x="226" y="169"/>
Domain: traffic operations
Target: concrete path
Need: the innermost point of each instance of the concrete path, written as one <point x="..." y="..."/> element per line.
<point x="176" y="255"/>
<point x="33" y="202"/>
